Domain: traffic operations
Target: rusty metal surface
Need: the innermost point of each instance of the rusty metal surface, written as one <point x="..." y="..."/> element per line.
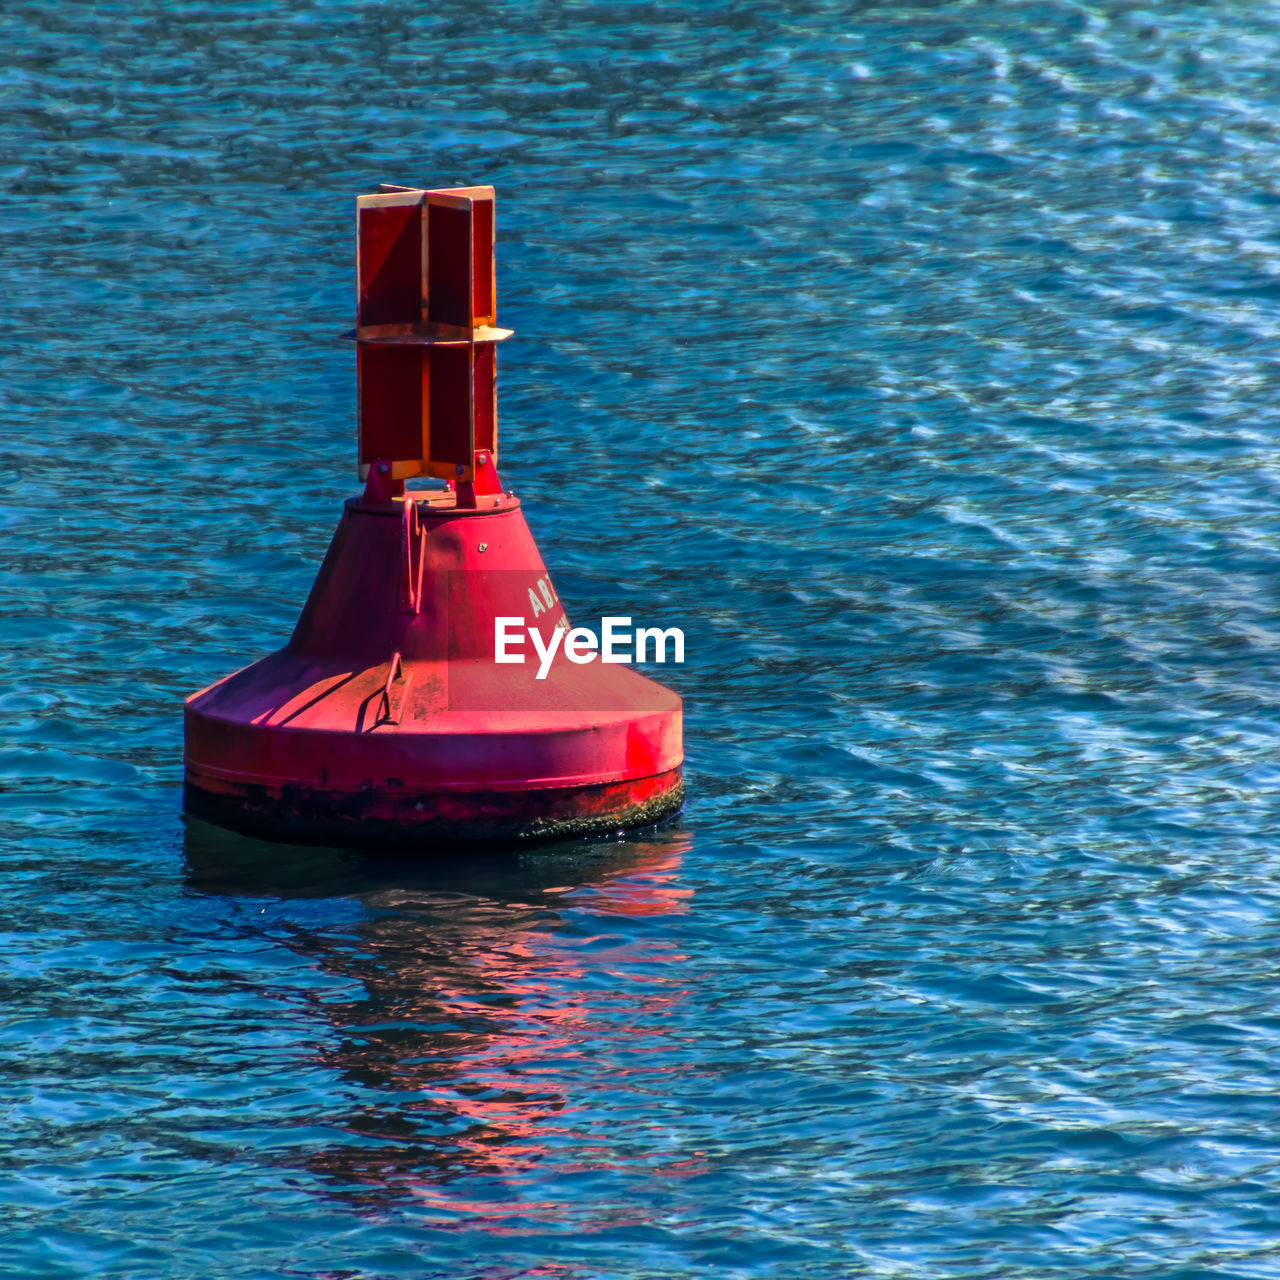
<point x="410" y="820"/>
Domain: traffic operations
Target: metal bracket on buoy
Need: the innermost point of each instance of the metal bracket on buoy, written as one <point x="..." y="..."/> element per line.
<point x="426" y="335"/>
<point x="411" y="573"/>
<point x="390" y="712"/>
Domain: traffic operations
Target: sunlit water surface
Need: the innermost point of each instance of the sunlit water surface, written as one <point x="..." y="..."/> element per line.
<point x="919" y="360"/>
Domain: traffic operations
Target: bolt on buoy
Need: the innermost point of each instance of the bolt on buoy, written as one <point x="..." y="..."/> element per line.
<point x="390" y="718"/>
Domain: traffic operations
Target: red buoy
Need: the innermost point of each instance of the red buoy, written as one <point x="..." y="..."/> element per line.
<point x="395" y="714"/>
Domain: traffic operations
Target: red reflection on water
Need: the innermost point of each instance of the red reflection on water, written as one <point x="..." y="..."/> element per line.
<point x="504" y="1037"/>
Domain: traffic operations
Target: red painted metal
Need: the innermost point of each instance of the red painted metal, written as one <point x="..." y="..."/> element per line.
<point x="385" y="720"/>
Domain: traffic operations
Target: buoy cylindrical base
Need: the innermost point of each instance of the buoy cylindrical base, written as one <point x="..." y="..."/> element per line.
<point x="393" y="818"/>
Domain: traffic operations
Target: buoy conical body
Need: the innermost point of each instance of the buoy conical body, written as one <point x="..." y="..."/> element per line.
<point x="386" y="721"/>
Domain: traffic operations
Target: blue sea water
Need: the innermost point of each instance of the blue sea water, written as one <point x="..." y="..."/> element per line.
<point x="920" y="360"/>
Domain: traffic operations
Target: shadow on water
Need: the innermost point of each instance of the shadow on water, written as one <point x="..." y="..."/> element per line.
<point x="224" y="863"/>
<point x="486" y="1008"/>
